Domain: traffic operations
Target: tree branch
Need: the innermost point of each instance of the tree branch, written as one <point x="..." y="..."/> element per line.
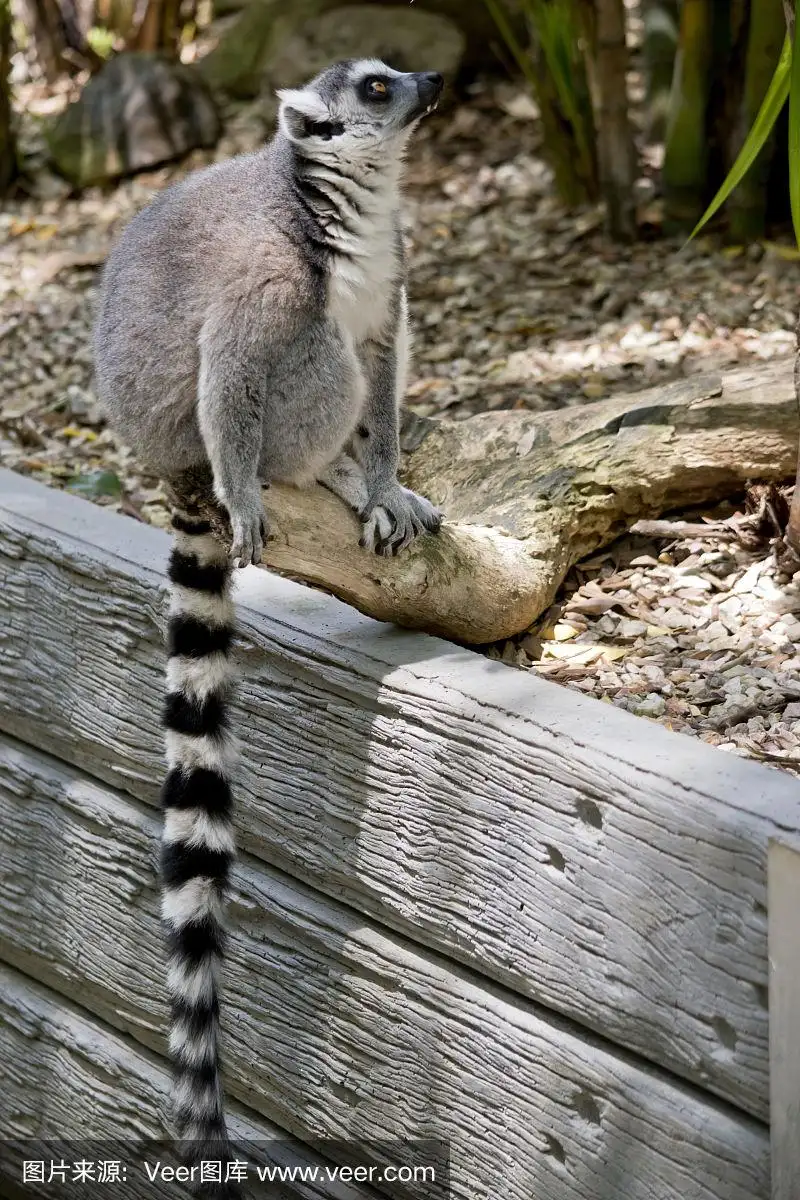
<point x="526" y="496"/>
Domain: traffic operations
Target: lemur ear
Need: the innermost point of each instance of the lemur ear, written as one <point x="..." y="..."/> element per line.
<point x="304" y="114"/>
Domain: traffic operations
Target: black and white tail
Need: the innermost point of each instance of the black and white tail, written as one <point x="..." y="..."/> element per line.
<point x="198" y="844"/>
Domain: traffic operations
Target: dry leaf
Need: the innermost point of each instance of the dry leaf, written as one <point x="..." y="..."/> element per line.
<point x="18" y="406"/>
<point x="575" y="655"/>
<point x="593" y="606"/>
<point x="64" y="260"/>
<point x="613" y="653"/>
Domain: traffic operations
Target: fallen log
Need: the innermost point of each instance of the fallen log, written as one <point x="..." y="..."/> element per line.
<point x="527" y="495"/>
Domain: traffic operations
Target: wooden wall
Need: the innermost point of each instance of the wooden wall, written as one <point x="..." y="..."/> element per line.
<point x="471" y="905"/>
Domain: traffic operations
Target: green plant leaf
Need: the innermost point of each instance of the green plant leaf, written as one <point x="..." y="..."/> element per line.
<point x="95" y="484"/>
<point x="794" y="128"/>
<point x="503" y="24"/>
<point x="770" y="110"/>
<point x="101" y="40"/>
<point x="558" y="36"/>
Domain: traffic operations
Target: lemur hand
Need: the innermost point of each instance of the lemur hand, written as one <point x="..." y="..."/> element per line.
<point x="394" y="517"/>
<point x="248" y="530"/>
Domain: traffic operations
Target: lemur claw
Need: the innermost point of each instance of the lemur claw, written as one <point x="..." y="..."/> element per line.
<point x="395" y="518"/>
<point x="249" y="535"/>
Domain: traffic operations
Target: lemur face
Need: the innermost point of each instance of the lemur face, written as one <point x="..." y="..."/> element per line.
<point x="358" y="105"/>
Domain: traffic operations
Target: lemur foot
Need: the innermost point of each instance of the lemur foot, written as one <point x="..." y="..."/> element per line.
<point x="394" y="518"/>
<point x="248" y="532"/>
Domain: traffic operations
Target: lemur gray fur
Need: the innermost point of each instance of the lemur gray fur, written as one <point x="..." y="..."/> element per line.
<point x="252" y="327"/>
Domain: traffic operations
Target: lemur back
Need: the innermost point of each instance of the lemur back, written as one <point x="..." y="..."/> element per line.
<point x="252" y="327"/>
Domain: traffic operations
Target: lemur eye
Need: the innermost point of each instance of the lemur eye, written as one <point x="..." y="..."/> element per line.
<point x="376" y="87"/>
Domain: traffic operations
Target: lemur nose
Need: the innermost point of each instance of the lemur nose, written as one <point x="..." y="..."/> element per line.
<point x="429" y="86"/>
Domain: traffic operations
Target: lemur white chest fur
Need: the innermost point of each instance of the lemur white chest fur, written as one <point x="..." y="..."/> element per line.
<point x="359" y="289"/>
<point x="359" y="215"/>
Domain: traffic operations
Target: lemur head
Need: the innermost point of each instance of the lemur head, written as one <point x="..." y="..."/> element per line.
<point x="354" y="107"/>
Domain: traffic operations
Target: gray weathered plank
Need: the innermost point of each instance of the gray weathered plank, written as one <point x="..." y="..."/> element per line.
<point x="784" y="1017"/>
<point x="70" y="1081"/>
<point x="583" y="857"/>
<point x="335" y="1029"/>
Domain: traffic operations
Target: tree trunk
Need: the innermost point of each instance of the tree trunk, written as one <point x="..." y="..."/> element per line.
<point x="686" y="151"/>
<point x="526" y="496"/>
<point x="729" y="55"/>
<point x="792" y="536"/>
<point x="747" y="206"/>
<point x="788" y="10"/>
<point x="607" y="66"/>
<point x="8" y="153"/>
<point x="575" y="174"/>
<point x="58" y="31"/>
<point x="661" y="18"/>
<point x="159" y="28"/>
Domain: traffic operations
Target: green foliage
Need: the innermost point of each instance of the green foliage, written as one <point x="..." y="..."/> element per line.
<point x="555" y="71"/>
<point x="794" y="127"/>
<point x="686" y="147"/>
<point x="767" y="116"/>
<point x="761" y="46"/>
<point x="785" y="85"/>
<point x="95" y="484"/>
<point x="101" y="41"/>
<point x="558" y="31"/>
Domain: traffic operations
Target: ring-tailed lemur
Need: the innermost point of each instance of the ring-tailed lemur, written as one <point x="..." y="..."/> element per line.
<point x="251" y="327"/>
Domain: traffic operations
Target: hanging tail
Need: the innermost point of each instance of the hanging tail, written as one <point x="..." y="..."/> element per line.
<point x="198" y="844"/>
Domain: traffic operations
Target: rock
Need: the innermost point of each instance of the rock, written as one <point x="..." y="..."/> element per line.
<point x="629" y="628"/>
<point x="792" y="627"/>
<point x="235" y="67"/>
<point x="139" y="111"/>
<point x="697" y="582"/>
<point x="266" y="49"/>
<point x="409" y="39"/>
<point x="651" y="705"/>
<point x="474" y="21"/>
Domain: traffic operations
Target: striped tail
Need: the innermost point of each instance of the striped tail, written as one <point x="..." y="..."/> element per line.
<point x="198" y="845"/>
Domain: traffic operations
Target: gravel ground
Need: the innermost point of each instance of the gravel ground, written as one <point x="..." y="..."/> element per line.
<point x="695" y="631"/>
<point x="516" y="305"/>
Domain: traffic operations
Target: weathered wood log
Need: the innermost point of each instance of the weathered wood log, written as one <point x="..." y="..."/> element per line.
<point x="576" y="854"/>
<point x="528" y="495"/>
<point x="71" y="1082"/>
<point x="335" y="1028"/>
<point x="784" y="1014"/>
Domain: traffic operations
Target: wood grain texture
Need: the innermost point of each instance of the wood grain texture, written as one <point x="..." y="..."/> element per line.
<point x="71" y="1081"/>
<point x="527" y="495"/>
<point x="784" y="1013"/>
<point x="336" y="1029"/>
<point x="583" y="857"/>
